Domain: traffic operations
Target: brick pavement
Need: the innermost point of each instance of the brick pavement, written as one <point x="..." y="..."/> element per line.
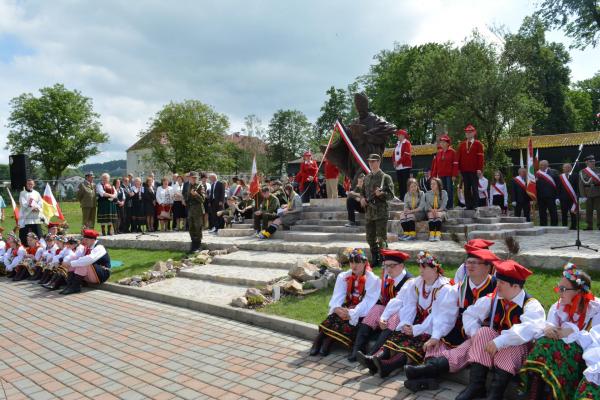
<point x="102" y="345"/>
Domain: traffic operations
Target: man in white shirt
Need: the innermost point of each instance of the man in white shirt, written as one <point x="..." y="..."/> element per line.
<point x="30" y="202"/>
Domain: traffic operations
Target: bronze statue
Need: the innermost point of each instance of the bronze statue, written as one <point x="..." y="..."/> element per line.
<point x="369" y="135"/>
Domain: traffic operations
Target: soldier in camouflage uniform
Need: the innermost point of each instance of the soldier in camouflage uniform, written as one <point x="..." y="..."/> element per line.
<point x="377" y="189"/>
<point x="266" y="211"/>
<point x="194" y="199"/>
<point x="589" y="187"/>
<point x="278" y="192"/>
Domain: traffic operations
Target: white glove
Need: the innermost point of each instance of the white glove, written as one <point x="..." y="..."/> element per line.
<point x="582" y="200"/>
<point x="514" y="203"/>
<point x="557" y="202"/>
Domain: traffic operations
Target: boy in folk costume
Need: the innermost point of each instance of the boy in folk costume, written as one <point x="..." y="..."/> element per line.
<point x="33" y="255"/>
<point x="501" y="325"/>
<point x="427" y="314"/>
<point x="461" y="272"/>
<point x="393" y="277"/>
<point x="14" y="254"/>
<point x="48" y="249"/>
<point x="402" y="161"/>
<point x="356" y="291"/>
<point x="450" y="354"/>
<point x="3" y="247"/>
<point x="51" y="252"/>
<point x="554" y="366"/>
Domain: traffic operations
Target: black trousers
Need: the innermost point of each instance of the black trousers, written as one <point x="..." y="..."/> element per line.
<point x="523" y="208"/>
<point x="449" y="188"/>
<point x="471" y="187"/>
<point x="353" y="205"/>
<point x="213" y="220"/>
<point x="498" y="200"/>
<point x="402" y="175"/>
<point x="482" y="202"/>
<point x="545" y="206"/>
<point x="565" y="211"/>
<point x="309" y="192"/>
<point x="35" y="228"/>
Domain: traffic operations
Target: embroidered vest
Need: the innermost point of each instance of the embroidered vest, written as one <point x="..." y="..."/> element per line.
<point x="388" y="293"/>
<point x="423" y="313"/>
<point x="505" y="317"/>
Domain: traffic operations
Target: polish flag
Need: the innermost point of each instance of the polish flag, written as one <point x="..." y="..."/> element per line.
<point x="50" y="207"/>
<point x="14" y="206"/>
<point x="531" y="185"/>
<point x="254" y="183"/>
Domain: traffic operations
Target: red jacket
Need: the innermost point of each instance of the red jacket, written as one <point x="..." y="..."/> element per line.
<point x="331" y="171"/>
<point x="405" y="155"/>
<point x="472" y="160"/>
<point x="445" y="163"/>
<point x="306" y="170"/>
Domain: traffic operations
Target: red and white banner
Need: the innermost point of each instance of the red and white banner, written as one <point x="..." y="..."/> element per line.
<point x="590" y="172"/>
<point x="254" y="183"/>
<point x="564" y="180"/>
<point x="340" y="129"/>
<point x="531" y="184"/>
<point x="50" y="207"/>
<point x="14" y="206"/>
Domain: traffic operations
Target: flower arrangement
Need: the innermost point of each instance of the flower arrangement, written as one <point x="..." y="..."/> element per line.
<point x="573" y="274"/>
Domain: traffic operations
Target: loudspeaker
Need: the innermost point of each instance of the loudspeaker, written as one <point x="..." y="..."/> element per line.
<point x="19" y="171"/>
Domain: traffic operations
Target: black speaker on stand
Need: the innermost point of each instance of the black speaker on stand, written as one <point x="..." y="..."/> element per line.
<point x="19" y="171"/>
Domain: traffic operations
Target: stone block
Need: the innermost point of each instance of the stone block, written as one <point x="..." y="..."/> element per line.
<point x="303" y="271"/>
<point x="240" y="302"/>
<point x="488" y="212"/>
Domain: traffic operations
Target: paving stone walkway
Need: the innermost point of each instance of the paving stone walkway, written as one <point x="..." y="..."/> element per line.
<point x="102" y="345"/>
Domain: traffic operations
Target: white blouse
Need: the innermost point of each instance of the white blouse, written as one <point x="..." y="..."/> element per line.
<point x="49" y="253"/>
<point x="394" y="305"/>
<point x="96" y="253"/>
<point x="164" y="196"/>
<point x="483" y="188"/>
<point x="370" y="298"/>
<point x="10" y="261"/>
<point x="591" y="355"/>
<point x="532" y="320"/>
<point x="63" y="252"/>
<point x="557" y="318"/>
<point x="443" y="310"/>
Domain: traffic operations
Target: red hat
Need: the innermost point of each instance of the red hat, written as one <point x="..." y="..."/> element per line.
<point x="394" y="255"/>
<point x="445" y="138"/>
<point x="402" y="132"/>
<point x="483" y="254"/>
<point x="512" y="272"/>
<point x="53" y="225"/>
<point x="470" y="128"/>
<point x="307" y="153"/>
<point x="90" y="234"/>
<point x="480" y="243"/>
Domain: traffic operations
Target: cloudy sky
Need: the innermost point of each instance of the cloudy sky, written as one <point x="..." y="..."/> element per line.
<point x="240" y="56"/>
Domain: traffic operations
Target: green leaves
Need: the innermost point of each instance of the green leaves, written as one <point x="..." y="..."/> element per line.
<point x="580" y="19"/>
<point x="287" y="137"/>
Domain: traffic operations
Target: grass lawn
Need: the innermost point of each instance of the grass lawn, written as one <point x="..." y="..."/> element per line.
<point x="313" y="308"/>
<point x="135" y="262"/>
<point x="70" y="210"/>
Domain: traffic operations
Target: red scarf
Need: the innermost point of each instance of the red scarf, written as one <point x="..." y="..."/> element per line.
<point x="32" y="250"/>
<point x="573" y="307"/>
<point x="108" y="188"/>
<point x="350" y="280"/>
<point x="387" y="288"/>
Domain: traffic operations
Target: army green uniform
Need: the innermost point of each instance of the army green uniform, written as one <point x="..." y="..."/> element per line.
<point x="195" y="203"/>
<point x="590" y="189"/>
<point x="280" y="196"/>
<point x="377" y="212"/>
<point x="269" y="208"/>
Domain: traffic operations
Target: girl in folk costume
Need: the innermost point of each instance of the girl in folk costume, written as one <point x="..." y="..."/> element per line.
<point x="13" y="255"/>
<point x="49" y="250"/>
<point x="58" y="274"/>
<point x="33" y="255"/>
<point x="356" y="291"/>
<point x="164" y="203"/>
<point x="52" y="257"/>
<point x="450" y="354"/>
<point x="499" y="192"/>
<point x="589" y="387"/>
<point x="107" y="208"/>
<point x="500" y="326"/>
<point x="414" y="205"/>
<point x="428" y="312"/>
<point x="402" y="160"/>
<point x="554" y="366"/>
<point x="307" y="177"/>
<point x="435" y="206"/>
<point x="393" y="277"/>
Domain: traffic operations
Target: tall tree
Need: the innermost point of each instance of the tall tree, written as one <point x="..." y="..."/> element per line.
<point x="337" y="106"/>
<point x="579" y="103"/>
<point x="56" y="130"/>
<point x="253" y="127"/>
<point x="579" y="18"/>
<point x="546" y="66"/>
<point x="190" y="136"/>
<point x="287" y="137"/>
<point x="592" y="88"/>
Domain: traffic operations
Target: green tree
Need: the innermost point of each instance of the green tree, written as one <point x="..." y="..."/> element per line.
<point x="592" y="88"/>
<point x="546" y="66"/>
<point x="287" y="138"/>
<point x="253" y="127"/>
<point x="56" y="130"/>
<point x="579" y="103"/>
<point x="337" y="106"/>
<point x="190" y="136"/>
<point x="580" y="19"/>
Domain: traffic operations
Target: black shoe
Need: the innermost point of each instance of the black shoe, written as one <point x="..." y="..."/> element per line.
<point x="360" y="342"/>
<point x="69" y="281"/>
<point x="11" y="274"/>
<point x="37" y="275"/>
<point x="367" y="362"/>
<point x="326" y="347"/>
<point x="58" y="282"/>
<point x="316" y="346"/>
<point x="20" y="275"/>
<point x="432" y="368"/>
<point x="500" y="381"/>
<point x="386" y="367"/>
<point x="74" y="287"/>
<point x="477" y="379"/>
<point x="416" y="385"/>
<point x="46" y="275"/>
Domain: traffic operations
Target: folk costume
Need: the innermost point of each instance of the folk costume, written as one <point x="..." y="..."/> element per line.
<point x="461" y="272"/>
<point x="510" y="324"/>
<point x="164" y="203"/>
<point x="402" y="161"/>
<point x="93" y="267"/>
<point x="358" y="294"/>
<point x="499" y="196"/>
<point x="483" y="192"/>
<point x="107" y="207"/>
<point x="32" y="258"/>
<point x="470" y="160"/>
<point x="569" y="199"/>
<point x="445" y="167"/>
<point x="14" y="255"/>
<point x="589" y="387"/>
<point x="59" y="271"/>
<point x="554" y="367"/>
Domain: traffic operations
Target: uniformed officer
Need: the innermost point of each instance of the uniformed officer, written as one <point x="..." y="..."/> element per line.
<point x="377" y="189"/>
<point x="265" y="213"/>
<point x="194" y="200"/>
<point x="589" y="187"/>
<point x="278" y="192"/>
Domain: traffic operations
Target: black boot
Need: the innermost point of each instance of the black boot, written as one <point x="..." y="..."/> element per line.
<point x="75" y="286"/>
<point x="326" y="346"/>
<point x="69" y="281"/>
<point x="316" y="346"/>
<point x="37" y="275"/>
<point x="386" y="367"/>
<point x="20" y="274"/>
<point x="432" y="368"/>
<point x="46" y="275"/>
<point x="58" y="282"/>
<point x="500" y="380"/>
<point x="53" y="276"/>
<point x="476" y="387"/>
<point x="10" y="274"/>
<point x="367" y="362"/>
<point x="416" y="385"/>
<point x="361" y="340"/>
<point x="381" y="339"/>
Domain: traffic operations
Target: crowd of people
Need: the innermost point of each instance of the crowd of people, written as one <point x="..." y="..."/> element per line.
<point x="482" y="318"/>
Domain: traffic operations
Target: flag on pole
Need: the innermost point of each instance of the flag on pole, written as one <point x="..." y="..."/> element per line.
<point x="340" y="129"/>
<point x="531" y="185"/>
<point x="50" y="207"/>
<point x="536" y="160"/>
<point x="14" y="206"/>
<point x="521" y="159"/>
<point x="254" y="182"/>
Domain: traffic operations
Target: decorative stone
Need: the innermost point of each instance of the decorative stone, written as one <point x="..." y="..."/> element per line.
<point x="124" y="281"/>
<point x="331" y="277"/>
<point x="217" y="252"/>
<point x="267" y="290"/>
<point x="329" y="263"/>
<point x="202" y="258"/>
<point x="240" y="302"/>
<point x="170" y="274"/>
<point x="293" y="287"/>
<point x="303" y="271"/>
<point x="319" y="284"/>
<point x="232" y="249"/>
<point x="160" y="266"/>
<point x="255" y="297"/>
<point x="488" y="212"/>
<point x="136" y="278"/>
<point x="157" y="274"/>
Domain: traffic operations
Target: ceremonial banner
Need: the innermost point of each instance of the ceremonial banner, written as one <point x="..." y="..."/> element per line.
<point x="531" y="185"/>
<point x="50" y="207"/>
<point x="340" y="129"/>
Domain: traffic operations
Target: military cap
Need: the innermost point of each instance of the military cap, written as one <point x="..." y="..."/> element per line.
<point x="590" y="158"/>
<point x="374" y="157"/>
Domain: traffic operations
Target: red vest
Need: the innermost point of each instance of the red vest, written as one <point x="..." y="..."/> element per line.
<point x="331" y="171"/>
<point x="470" y="159"/>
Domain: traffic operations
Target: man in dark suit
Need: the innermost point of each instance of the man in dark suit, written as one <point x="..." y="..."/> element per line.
<point x="547" y="193"/>
<point x="568" y="196"/>
<point x="520" y="198"/>
<point x="216" y="201"/>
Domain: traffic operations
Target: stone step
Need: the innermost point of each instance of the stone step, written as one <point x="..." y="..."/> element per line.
<point x="235" y="232"/>
<point x="458" y="213"/>
<point x="501" y="234"/>
<point x="260" y="259"/>
<point x="324" y="237"/>
<point x="555" y="229"/>
<point x="282" y="246"/>
<point x="459" y="221"/>
<point x="323" y="222"/>
<point x="488" y="227"/>
<point x="245" y="225"/>
<point x="340" y="215"/>
<point x="234" y="275"/>
<point x="200" y="290"/>
<point x="512" y="219"/>
<point x="487" y="220"/>
<point x="329" y="229"/>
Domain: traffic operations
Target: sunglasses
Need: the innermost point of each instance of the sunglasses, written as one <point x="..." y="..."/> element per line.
<point x="562" y="289"/>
